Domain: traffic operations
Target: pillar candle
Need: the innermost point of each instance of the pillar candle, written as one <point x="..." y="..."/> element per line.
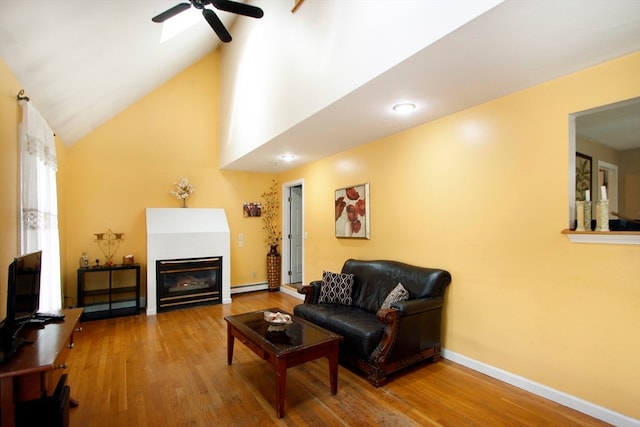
<point x="603" y="189"/>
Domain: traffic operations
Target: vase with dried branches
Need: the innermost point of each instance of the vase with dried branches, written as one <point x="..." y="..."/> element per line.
<point x="272" y="234"/>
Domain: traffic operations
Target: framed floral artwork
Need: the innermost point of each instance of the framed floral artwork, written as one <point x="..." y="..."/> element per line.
<point x="352" y="212"/>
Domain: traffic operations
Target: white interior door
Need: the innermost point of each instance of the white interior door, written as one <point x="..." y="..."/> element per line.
<point x="296" y="234"/>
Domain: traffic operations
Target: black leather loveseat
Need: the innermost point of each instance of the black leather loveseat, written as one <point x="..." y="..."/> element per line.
<point x="379" y="340"/>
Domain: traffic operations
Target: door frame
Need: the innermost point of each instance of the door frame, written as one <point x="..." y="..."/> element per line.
<point x="286" y="229"/>
<point x="611" y="171"/>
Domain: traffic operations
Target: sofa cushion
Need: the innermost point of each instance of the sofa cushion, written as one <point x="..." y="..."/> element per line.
<point x="361" y="330"/>
<point x="398" y="294"/>
<point x="336" y="288"/>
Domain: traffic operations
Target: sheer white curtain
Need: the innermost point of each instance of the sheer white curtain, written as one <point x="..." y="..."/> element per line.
<point x="39" y="204"/>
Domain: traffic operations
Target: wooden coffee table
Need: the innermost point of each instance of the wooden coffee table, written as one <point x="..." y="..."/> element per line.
<point x="301" y="342"/>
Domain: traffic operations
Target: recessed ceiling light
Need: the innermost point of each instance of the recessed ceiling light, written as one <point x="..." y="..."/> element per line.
<point x="404" y="107"/>
<point x="287" y="157"/>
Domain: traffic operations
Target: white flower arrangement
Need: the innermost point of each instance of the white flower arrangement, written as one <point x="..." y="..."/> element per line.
<point x="183" y="189"/>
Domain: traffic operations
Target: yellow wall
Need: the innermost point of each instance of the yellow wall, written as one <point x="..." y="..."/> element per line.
<point x="484" y="194"/>
<point x="131" y="162"/>
<point x="9" y="225"/>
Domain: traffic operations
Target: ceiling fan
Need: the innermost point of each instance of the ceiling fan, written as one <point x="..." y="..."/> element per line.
<point x="210" y="15"/>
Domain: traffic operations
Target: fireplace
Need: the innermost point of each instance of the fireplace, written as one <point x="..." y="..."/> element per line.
<point x="180" y="234"/>
<point x="188" y="282"/>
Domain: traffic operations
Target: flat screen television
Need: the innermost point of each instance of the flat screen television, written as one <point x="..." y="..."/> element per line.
<point x="23" y="300"/>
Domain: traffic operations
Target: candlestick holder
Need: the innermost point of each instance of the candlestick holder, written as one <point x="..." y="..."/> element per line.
<point x="587" y="215"/>
<point x="602" y="215"/>
<point x="579" y="216"/>
<point x="108" y="243"/>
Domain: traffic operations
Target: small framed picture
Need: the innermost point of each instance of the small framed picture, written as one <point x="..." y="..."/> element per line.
<point x="251" y="209"/>
<point x="352" y="212"/>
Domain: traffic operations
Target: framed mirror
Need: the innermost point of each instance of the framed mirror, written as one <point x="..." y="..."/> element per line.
<point x="605" y="155"/>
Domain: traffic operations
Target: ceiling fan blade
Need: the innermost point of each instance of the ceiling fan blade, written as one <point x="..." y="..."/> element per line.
<point x="171" y="12"/>
<point x="238" y="8"/>
<point x="217" y="25"/>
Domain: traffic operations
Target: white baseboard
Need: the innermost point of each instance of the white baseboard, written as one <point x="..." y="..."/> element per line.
<point x="263" y="286"/>
<point x="287" y="290"/>
<point x="249" y="288"/>
<point x="541" y="390"/>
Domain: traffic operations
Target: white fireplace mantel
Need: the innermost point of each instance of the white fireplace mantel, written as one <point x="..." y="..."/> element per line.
<point x="186" y="233"/>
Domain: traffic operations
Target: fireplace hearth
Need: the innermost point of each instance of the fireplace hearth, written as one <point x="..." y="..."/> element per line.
<point x="188" y="282"/>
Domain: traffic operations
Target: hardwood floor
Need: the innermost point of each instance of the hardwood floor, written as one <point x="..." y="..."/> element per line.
<point x="171" y="370"/>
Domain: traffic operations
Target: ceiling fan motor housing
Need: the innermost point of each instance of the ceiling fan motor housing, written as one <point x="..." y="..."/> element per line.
<point x="200" y="4"/>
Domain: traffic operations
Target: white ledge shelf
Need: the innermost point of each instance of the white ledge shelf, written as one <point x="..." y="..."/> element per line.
<point x="607" y="237"/>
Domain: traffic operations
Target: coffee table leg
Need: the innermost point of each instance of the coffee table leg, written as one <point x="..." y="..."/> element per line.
<point x="229" y="344"/>
<point x="333" y="367"/>
<point x="281" y="380"/>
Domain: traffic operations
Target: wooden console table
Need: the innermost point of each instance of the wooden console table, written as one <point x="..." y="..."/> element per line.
<point x="36" y="367"/>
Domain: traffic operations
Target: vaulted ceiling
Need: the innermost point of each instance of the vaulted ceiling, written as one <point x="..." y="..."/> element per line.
<point x="81" y="63"/>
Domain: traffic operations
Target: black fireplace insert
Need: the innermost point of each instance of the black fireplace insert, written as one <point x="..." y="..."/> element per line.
<point x="188" y="282"/>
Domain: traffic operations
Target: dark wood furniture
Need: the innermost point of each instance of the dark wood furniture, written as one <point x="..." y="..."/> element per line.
<point x="36" y="367"/>
<point x="109" y="291"/>
<point x="301" y="342"/>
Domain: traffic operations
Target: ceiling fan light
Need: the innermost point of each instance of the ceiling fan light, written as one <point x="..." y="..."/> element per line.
<point x="405" y="107"/>
<point x="287" y="157"/>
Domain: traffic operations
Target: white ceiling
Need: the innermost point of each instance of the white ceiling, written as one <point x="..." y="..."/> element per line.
<point x="617" y="125"/>
<point x="81" y="63"/>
